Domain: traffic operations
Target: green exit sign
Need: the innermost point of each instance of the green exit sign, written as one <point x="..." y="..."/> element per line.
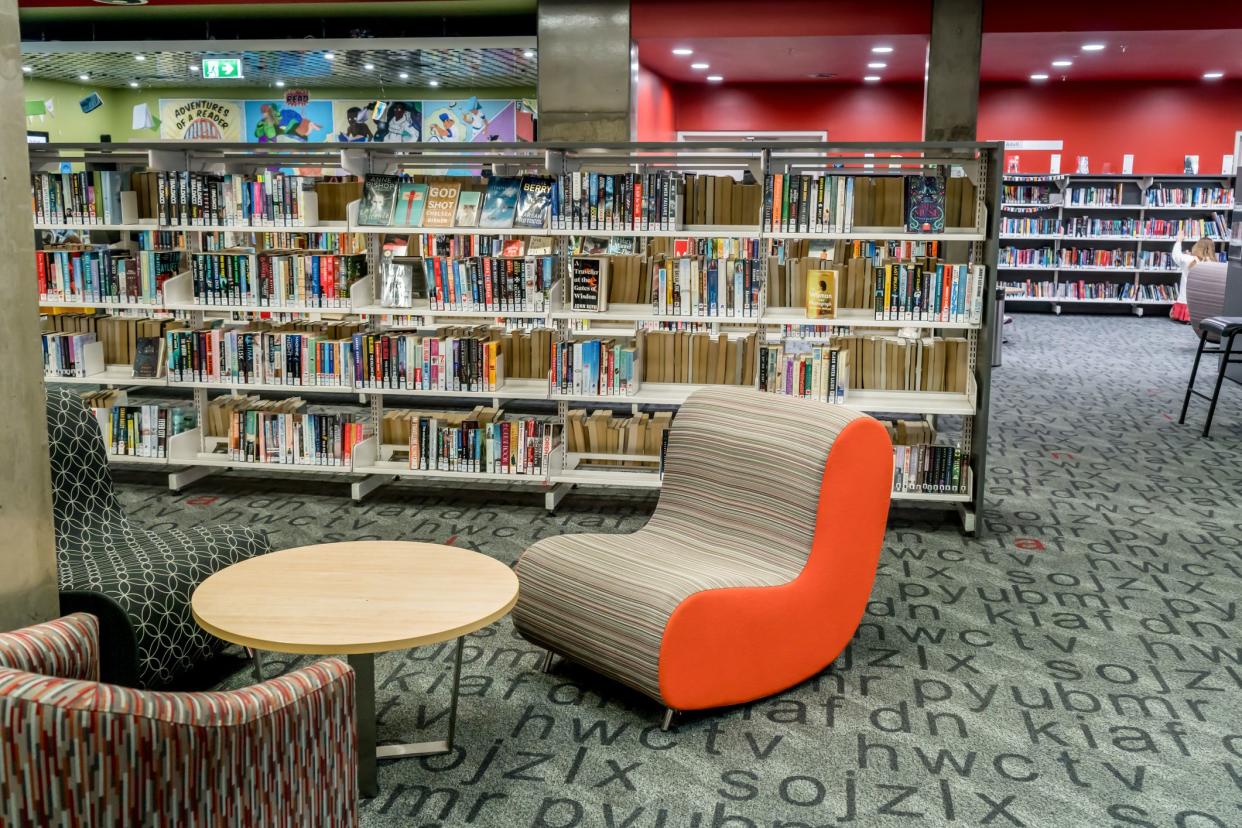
<point x="221" y="68"/>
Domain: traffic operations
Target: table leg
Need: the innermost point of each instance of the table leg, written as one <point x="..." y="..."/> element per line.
<point x="437" y="745"/>
<point x="364" y="721"/>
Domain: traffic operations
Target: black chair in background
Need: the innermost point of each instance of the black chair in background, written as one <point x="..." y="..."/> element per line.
<point x="1224" y="330"/>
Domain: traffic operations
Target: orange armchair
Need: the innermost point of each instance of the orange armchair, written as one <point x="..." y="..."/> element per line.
<point x="752" y="574"/>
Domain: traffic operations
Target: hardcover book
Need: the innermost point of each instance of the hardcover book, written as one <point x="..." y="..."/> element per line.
<point x="441" y="204"/>
<point x="534" y="202"/>
<point x="821" y="294"/>
<point x="500" y="202"/>
<point x="411" y="202"/>
<point x="589" y="283"/>
<point x="925" y="203"/>
<point x="399" y="278"/>
<point x="148" y="357"/>
<point x="468" y="202"/>
<point x="378" y="195"/>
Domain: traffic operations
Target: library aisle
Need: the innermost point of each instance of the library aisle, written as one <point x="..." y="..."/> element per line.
<point x="1080" y="657"/>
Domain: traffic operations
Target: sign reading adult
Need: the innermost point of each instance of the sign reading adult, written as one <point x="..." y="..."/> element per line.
<point x="221" y="68"/>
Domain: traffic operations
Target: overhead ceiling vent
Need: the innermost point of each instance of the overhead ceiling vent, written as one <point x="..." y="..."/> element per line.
<point x="122" y="2"/>
<point x="822" y="75"/>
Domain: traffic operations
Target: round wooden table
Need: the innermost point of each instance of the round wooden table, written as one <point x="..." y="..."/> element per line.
<point x="357" y="599"/>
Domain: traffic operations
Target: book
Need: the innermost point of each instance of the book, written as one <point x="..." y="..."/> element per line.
<point x="589" y="283"/>
<point x="534" y="202"/>
<point x="1191" y="165"/>
<point x="500" y="202"/>
<point x="149" y="357"/>
<point x="379" y="193"/>
<point x="398" y="278"/>
<point x="821" y="294"/>
<point x="468" y="202"/>
<point x="441" y="204"/>
<point x="925" y="203"/>
<point x="410" y="203"/>
<point x="514" y="248"/>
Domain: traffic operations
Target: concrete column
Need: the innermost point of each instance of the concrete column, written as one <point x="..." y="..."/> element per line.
<point x="27" y="546"/>
<point x="951" y="91"/>
<point x="585" y="79"/>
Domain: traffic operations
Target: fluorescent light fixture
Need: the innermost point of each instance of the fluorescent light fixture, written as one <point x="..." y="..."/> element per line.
<point x="368" y="66"/>
<point x="1039" y="76"/>
<point x="84" y="77"/>
<point x="877" y="65"/>
<point x="529" y="53"/>
<point x="134" y="84"/>
<point x="1213" y="75"/>
<point x="280" y="84"/>
<point x="683" y="51"/>
<point x="699" y="65"/>
<point x="882" y="50"/>
<point x="715" y="78"/>
<point x="871" y="78"/>
<point x="1063" y="62"/>
<point x="1093" y="47"/>
<point x="404" y="76"/>
<point x="140" y="57"/>
<point x="329" y="56"/>
<point x="433" y="83"/>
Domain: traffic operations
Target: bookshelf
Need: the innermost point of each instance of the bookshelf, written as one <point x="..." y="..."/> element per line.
<point x="193" y="454"/>
<point x="1123" y="218"/>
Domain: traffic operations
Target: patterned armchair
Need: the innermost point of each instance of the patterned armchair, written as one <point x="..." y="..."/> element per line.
<point x="136" y="581"/>
<point x="752" y="574"/>
<point x="77" y="752"/>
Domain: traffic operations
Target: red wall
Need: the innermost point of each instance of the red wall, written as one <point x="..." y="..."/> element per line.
<point x="654" y="109"/>
<point x="1158" y="122"/>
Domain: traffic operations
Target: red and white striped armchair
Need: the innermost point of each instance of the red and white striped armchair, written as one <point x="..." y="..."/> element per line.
<point x="74" y="751"/>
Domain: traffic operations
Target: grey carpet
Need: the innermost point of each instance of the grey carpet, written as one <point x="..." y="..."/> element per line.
<point x="1077" y="665"/>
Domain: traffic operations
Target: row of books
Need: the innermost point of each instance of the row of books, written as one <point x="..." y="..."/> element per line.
<point x="617" y="201"/>
<point x="1094" y="257"/>
<point x="483" y="283"/>
<point x="947" y="293"/>
<point x="77" y="198"/>
<point x="1026" y="193"/>
<point x="1202" y="196"/>
<point x="142" y="430"/>
<point x="283" y="432"/>
<point x="256" y="356"/>
<point x="1156" y="260"/>
<point x="691" y="286"/>
<point x="1026" y="257"/>
<point x="699" y="357"/>
<point x="125" y="341"/>
<point x="102" y="274"/>
<point x="64" y="354"/>
<point x="161" y="240"/>
<point x="891" y="363"/>
<point x="486" y="443"/>
<point x="495" y="203"/>
<point x="600" y="432"/>
<point x="460" y="359"/>
<point x="1030" y="289"/>
<point x="595" y="367"/>
<point x="1084" y="226"/>
<point x="275" y="279"/>
<point x="195" y="199"/>
<point x="1029" y="227"/>
<point x="1096" y="196"/>
<point x="930" y="469"/>
<point x="815" y="372"/>
<point x="1192" y="228"/>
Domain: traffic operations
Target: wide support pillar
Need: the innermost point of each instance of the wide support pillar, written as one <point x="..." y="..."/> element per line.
<point x="585" y="70"/>
<point x="951" y="91"/>
<point x="27" y="546"/>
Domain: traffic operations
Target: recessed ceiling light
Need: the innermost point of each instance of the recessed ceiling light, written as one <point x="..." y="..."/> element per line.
<point x="193" y="67"/>
<point x="871" y="78"/>
<point x="140" y="57"/>
<point x="368" y="66"/>
<point x="280" y="83"/>
<point x="715" y="78"/>
<point x="329" y="56"/>
<point x="529" y="53"/>
<point x="84" y="77"/>
<point x="134" y="84"/>
<point x="433" y="83"/>
<point x="877" y="65"/>
<point x="699" y="65"/>
<point x="1093" y="47"/>
<point x="27" y="69"/>
<point x="1063" y="62"/>
<point x="404" y="76"/>
<point x="683" y="51"/>
<point x="1039" y="76"/>
<point x="1213" y="75"/>
<point x="882" y="50"/>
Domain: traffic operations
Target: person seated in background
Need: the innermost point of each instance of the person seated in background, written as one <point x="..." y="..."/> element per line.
<point x="1204" y="250"/>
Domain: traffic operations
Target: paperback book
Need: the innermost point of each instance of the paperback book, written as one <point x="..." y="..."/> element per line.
<point x="410" y="204"/>
<point x="379" y="193"/>
<point x="149" y="357"/>
<point x="589" y="283"/>
<point x="441" y="204"/>
<point x="821" y="294"/>
<point x="925" y="204"/>
<point x="534" y="202"/>
<point x="468" y="202"/>
<point x="500" y="202"/>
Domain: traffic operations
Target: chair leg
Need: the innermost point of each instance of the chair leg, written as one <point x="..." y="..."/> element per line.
<point x="547" y="662"/>
<point x="1193" y="372"/>
<point x="1220" y="378"/>
<point x="668" y="719"/>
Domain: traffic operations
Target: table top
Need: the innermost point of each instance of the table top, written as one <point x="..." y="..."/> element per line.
<point x="355" y="597"/>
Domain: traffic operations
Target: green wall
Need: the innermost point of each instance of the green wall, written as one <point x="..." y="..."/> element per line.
<point x="68" y="123"/>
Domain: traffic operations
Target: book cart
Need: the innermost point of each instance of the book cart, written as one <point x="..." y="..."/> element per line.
<point x="1130" y="220"/>
<point x="192" y="454"/>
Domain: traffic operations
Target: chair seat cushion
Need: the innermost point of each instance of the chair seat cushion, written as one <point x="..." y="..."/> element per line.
<point x="1222" y="325"/>
<point x="605" y="600"/>
<point x="151" y="575"/>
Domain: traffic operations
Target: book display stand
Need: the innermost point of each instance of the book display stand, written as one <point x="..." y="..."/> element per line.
<point x="757" y="326"/>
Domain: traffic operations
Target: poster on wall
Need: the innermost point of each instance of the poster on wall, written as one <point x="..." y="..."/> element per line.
<point x="469" y="120"/>
<point x="276" y="121"/>
<point x="361" y="121"/>
<point x="200" y="119"/>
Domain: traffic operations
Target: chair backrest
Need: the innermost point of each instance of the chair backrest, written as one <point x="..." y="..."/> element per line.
<point x="746" y="467"/>
<point x="82" y="495"/>
<point x="1205" y="291"/>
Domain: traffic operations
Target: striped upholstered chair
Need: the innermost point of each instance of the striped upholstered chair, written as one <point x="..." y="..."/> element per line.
<point x="754" y="571"/>
<point x="77" y="752"/>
